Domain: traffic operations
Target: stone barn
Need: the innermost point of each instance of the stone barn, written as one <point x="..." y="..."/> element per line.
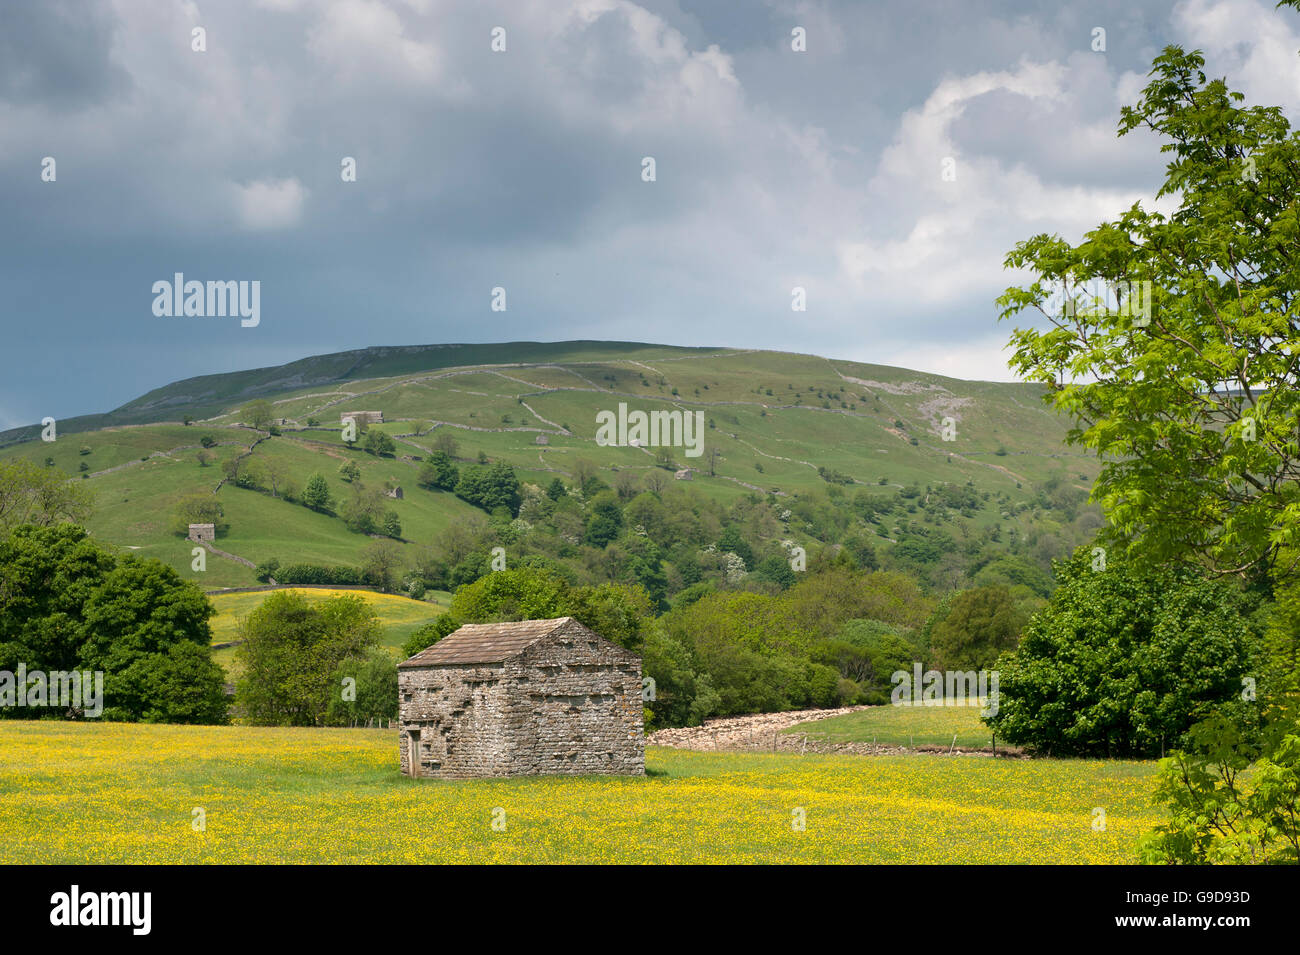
<point x="203" y="532"/>
<point x="362" y="417"/>
<point x="520" y="699"/>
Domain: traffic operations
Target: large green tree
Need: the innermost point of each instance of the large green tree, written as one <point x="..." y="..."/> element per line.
<point x="66" y="603"/>
<point x="291" y="654"/>
<point x="980" y="624"/>
<point x="1124" y="660"/>
<point x="617" y="612"/>
<point x="259" y="413"/>
<point x="1172" y="339"/>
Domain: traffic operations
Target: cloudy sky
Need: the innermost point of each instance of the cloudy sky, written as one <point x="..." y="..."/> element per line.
<point x="523" y="169"/>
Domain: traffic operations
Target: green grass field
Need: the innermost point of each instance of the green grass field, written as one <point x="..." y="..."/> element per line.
<point x="399" y="616"/>
<point x="903" y="726"/>
<point x="121" y="793"/>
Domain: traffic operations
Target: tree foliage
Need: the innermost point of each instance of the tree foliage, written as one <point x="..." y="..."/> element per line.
<point x="980" y="624"/>
<point x="66" y="603"/>
<point x="1188" y="393"/>
<point x="291" y="652"/>
<point x="34" y="495"/>
<point x="1123" y="661"/>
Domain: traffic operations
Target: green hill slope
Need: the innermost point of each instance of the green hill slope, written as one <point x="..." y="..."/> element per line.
<point x="832" y="448"/>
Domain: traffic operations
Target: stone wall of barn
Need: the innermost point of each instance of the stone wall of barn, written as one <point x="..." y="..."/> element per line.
<point x="459" y="712"/>
<point x="570" y="704"/>
<point x="574" y="707"/>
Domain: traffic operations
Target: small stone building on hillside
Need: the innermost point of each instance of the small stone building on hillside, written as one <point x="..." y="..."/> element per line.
<point x="519" y="699"/>
<point x="202" y="532"/>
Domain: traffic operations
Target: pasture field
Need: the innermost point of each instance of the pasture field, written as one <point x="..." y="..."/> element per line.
<point x="903" y="726"/>
<point x="121" y="793"/>
<point x="399" y="616"/>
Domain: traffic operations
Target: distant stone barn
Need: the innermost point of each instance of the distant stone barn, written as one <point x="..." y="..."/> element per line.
<point x="202" y="532"/>
<point x="519" y="699"/>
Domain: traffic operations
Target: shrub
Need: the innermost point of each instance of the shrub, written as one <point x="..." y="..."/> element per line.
<point x="1123" y="661"/>
<point x="266" y="570"/>
<point x="319" y="574"/>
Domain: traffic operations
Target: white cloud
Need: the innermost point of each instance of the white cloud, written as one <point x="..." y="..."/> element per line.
<point x="270" y="203"/>
<point x="940" y="242"/>
<point x="368" y="38"/>
<point x="1254" y="43"/>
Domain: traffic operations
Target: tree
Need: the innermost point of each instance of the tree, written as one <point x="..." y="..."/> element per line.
<point x="460" y="538"/>
<point x="349" y="472"/>
<point x="316" y="495"/>
<point x="1177" y="362"/>
<point x="379" y="444"/>
<point x="364" y="511"/>
<point x="266" y="570"/>
<point x="732" y="541"/>
<point x="1232" y="796"/>
<point x="980" y="624"/>
<point x="886" y="650"/>
<point x="775" y="569"/>
<point x="32" y="495"/>
<point x="430" y="634"/>
<point x="584" y="471"/>
<point x="438" y="473"/>
<point x="556" y="489"/>
<point x="278" y="474"/>
<point x="1123" y="661"/>
<point x="200" y="507"/>
<point x="147" y="629"/>
<point x="292" y="651"/>
<point x="604" y="520"/>
<point x="446" y="443"/>
<point x="67" y="604"/>
<point x="382" y="565"/>
<point x="392" y="524"/>
<point x="372" y="693"/>
<point x="258" y="413"/>
<point x="616" y="611"/>
<point x="490" y="488"/>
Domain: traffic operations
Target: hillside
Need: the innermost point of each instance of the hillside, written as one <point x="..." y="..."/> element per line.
<point x="827" y="450"/>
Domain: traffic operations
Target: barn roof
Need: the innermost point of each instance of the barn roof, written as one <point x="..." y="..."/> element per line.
<point x="485" y="642"/>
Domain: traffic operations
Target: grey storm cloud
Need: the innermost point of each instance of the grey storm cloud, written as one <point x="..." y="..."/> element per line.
<point x="522" y="169"/>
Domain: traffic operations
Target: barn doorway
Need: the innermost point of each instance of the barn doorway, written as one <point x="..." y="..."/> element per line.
<point x="413" y="754"/>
